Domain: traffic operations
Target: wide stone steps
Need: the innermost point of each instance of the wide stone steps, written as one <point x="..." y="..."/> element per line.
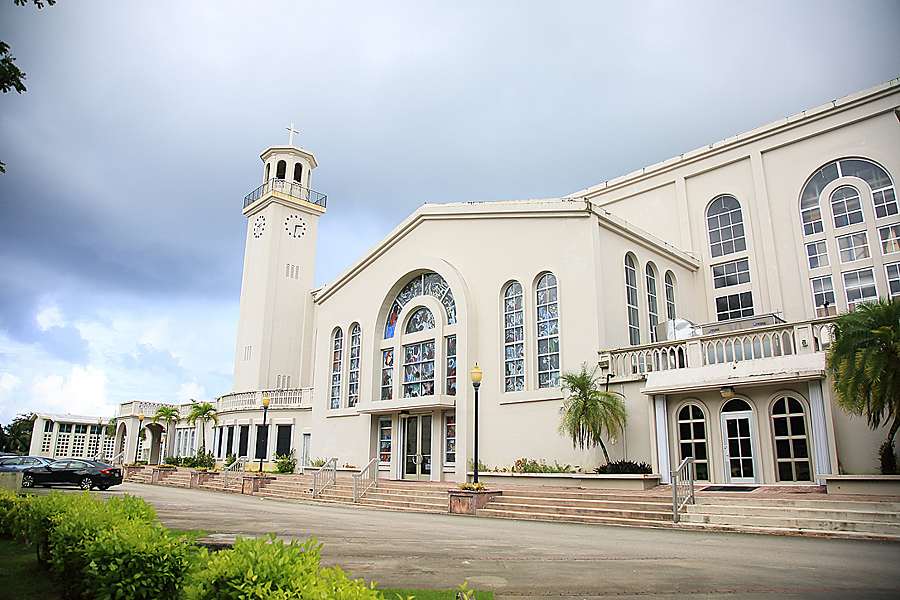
<point x="140" y="476"/>
<point x="389" y="496"/>
<point x="216" y="483"/>
<point x="178" y="478"/>
<point x="578" y="506"/>
<point x="817" y="517"/>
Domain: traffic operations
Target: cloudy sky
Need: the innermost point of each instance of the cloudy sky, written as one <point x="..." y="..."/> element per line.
<point x="121" y="234"/>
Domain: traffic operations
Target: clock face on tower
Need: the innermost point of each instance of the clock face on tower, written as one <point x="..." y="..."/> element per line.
<point x="294" y="226"/>
<point x="259" y="226"/>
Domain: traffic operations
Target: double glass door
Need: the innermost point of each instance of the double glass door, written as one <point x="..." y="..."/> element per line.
<point x="417" y="447"/>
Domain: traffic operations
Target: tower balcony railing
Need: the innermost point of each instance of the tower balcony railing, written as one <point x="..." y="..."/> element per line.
<point x="278" y="399"/>
<point x="782" y="339"/>
<point x="289" y="188"/>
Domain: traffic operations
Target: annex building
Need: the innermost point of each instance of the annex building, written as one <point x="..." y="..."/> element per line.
<point x="702" y="285"/>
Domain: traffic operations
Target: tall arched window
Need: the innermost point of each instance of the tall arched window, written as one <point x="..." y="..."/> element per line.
<point x="726" y="226"/>
<point x="883" y="194"/>
<point x="336" y="361"/>
<point x="418" y="358"/>
<point x="652" y="304"/>
<point x="353" y="370"/>
<point x="791" y="440"/>
<point x="670" y="295"/>
<point x="514" y="338"/>
<point x="692" y="438"/>
<point x="547" y="331"/>
<point x="298" y="172"/>
<point x="268" y="170"/>
<point x="280" y="169"/>
<point x="631" y="301"/>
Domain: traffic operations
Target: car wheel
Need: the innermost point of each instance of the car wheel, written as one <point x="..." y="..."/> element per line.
<point x="87" y="483"/>
<point x="27" y="480"/>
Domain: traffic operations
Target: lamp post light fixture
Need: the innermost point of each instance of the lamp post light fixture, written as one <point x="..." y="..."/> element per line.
<point x="262" y="453"/>
<point x="476" y="383"/>
<point x="137" y="441"/>
<point x="99" y="439"/>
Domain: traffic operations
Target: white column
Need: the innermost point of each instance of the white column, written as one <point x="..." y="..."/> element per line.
<point x="662" y="438"/>
<point x="819" y="428"/>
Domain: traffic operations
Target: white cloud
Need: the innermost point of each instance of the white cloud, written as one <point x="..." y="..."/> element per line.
<point x="8" y="383"/>
<point x="191" y="391"/>
<point x="83" y="392"/>
<point x="50" y="317"/>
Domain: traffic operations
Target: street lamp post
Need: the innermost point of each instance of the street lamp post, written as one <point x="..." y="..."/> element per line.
<point x="476" y="383"/>
<point x="262" y="449"/>
<point x="99" y="454"/>
<point x="137" y="441"/>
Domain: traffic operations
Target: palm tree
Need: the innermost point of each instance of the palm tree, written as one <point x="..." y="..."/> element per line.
<point x="588" y="412"/>
<point x="864" y="364"/>
<point x="203" y="412"/>
<point x="168" y="414"/>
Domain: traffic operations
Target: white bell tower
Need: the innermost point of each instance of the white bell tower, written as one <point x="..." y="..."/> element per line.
<point x="275" y="326"/>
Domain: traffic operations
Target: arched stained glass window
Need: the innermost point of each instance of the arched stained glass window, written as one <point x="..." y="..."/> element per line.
<point x="336" y="361"/>
<point x="631" y="302"/>
<point x="353" y="370"/>
<point x="514" y="338"/>
<point x="547" y="331"/>
<point x="420" y="320"/>
<point x="427" y="284"/>
<point x="726" y="226"/>
<point x="692" y="438"/>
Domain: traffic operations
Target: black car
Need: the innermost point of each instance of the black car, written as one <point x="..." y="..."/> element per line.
<point x="85" y="474"/>
<point x="11" y="464"/>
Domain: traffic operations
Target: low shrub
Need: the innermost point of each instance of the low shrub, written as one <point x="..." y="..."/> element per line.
<point x="624" y="467"/>
<point x="472" y="487"/>
<point x="230" y="460"/>
<point x="173" y="461"/>
<point x="285" y="463"/>
<point x="317" y="462"/>
<point x="134" y="560"/>
<point x="11" y="512"/>
<point x="525" y="465"/>
<point x="267" y="568"/>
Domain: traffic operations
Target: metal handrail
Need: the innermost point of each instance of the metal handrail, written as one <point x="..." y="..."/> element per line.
<point x="239" y="463"/>
<point x="120" y="457"/>
<point x="326" y="474"/>
<point x="682" y="486"/>
<point x="294" y="190"/>
<point x="372" y="480"/>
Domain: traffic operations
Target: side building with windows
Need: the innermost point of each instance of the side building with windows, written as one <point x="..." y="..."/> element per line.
<point x="703" y="286"/>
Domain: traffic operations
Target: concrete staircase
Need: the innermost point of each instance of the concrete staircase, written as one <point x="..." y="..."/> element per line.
<point x="177" y="478"/>
<point x="392" y="495"/>
<point x="141" y="476"/>
<point x="216" y="483"/>
<point x="288" y="487"/>
<point x="826" y="517"/>
<point x="580" y="506"/>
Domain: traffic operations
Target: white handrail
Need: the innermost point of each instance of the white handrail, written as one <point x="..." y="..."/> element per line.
<point x="118" y="459"/>
<point x="327" y="474"/>
<point x="240" y="463"/>
<point x="683" y="492"/>
<point x="372" y="479"/>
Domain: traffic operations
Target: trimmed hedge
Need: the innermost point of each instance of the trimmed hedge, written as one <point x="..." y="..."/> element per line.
<point x="269" y="569"/>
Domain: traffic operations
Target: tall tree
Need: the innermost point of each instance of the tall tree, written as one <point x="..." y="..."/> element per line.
<point x="203" y="412"/>
<point x="167" y="414"/>
<point x="588" y="412"/>
<point x="11" y="77"/>
<point x="864" y="364"/>
<point x="17" y="435"/>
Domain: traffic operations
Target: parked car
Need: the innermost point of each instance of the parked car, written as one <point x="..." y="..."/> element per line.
<point x="85" y="474"/>
<point x="20" y="463"/>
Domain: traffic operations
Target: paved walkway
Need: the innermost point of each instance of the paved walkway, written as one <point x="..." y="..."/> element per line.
<point x="525" y="559"/>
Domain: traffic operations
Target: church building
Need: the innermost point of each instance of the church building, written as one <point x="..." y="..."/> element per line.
<point x="703" y="287"/>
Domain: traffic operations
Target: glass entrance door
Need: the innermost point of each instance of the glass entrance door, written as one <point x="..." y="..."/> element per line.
<point x="417" y="448"/>
<point x="740" y="462"/>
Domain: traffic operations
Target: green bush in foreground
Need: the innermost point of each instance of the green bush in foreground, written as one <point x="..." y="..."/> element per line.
<point x="269" y="569"/>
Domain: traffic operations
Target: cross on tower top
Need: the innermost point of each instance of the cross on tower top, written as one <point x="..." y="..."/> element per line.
<point x="293" y="131"/>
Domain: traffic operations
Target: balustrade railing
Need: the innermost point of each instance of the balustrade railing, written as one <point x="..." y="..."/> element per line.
<point x="364" y="480"/>
<point x="291" y="398"/>
<point x="771" y="341"/>
<point x="682" y="486"/>
<point x="324" y="476"/>
<point x="294" y="190"/>
<point x="240" y="465"/>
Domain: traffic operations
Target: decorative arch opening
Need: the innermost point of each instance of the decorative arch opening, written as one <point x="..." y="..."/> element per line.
<point x="631" y="301"/>
<point x="426" y="284"/>
<point x="791" y="438"/>
<point x="692" y="438"/>
<point x="298" y="172"/>
<point x="725" y="223"/>
<point x="280" y="169"/>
